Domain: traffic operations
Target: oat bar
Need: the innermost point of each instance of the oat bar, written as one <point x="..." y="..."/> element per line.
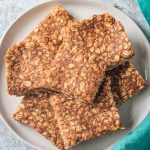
<point x="125" y="82"/>
<point x="28" y="61"/>
<point x="89" y="48"/>
<point x="79" y="121"/>
<point x="37" y="112"/>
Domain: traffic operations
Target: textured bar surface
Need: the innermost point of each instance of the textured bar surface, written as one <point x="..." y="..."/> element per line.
<point x="79" y="121"/>
<point x="28" y="61"/>
<point x="36" y="111"/>
<point x="125" y="77"/>
<point x="89" y="48"/>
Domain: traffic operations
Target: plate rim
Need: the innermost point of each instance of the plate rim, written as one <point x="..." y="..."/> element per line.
<point x="24" y="13"/>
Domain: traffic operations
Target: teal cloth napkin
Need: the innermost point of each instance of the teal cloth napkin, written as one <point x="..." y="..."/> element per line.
<point x="145" y="7"/>
<point x="138" y="139"/>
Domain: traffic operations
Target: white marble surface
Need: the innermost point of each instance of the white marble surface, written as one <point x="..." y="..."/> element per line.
<point x="11" y="9"/>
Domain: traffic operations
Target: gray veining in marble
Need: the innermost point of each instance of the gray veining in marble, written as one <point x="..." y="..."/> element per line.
<point x="11" y="9"/>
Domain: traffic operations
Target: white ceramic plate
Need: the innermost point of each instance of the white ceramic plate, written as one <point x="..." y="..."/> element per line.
<point x="132" y="113"/>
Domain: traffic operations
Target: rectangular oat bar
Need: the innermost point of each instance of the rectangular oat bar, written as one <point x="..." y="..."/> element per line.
<point x="79" y="121"/>
<point x="89" y="48"/>
<point x="36" y="110"/>
<point x="125" y="82"/>
<point x="28" y="61"/>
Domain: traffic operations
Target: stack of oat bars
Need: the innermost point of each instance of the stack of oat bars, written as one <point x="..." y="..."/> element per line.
<point x="73" y="75"/>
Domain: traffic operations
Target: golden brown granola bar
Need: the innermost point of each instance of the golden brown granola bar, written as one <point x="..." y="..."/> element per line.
<point x="79" y="121"/>
<point x="39" y="105"/>
<point x="125" y="82"/>
<point x="28" y="61"/>
<point x="89" y="48"/>
<point x="37" y="112"/>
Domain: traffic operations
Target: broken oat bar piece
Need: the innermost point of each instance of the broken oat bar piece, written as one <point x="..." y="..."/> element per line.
<point x="36" y="111"/>
<point x="125" y="82"/>
<point x="79" y="121"/>
<point x="89" y="48"/>
<point x="28" y="61"/>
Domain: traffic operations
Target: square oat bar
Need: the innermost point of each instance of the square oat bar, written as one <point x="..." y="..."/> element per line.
<point x="28" y="61"/>
<point x="89" y="48"/>
<point x="79" y="121"/>
<point x="125" y="82"/>
<point x="36" y="110"/>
